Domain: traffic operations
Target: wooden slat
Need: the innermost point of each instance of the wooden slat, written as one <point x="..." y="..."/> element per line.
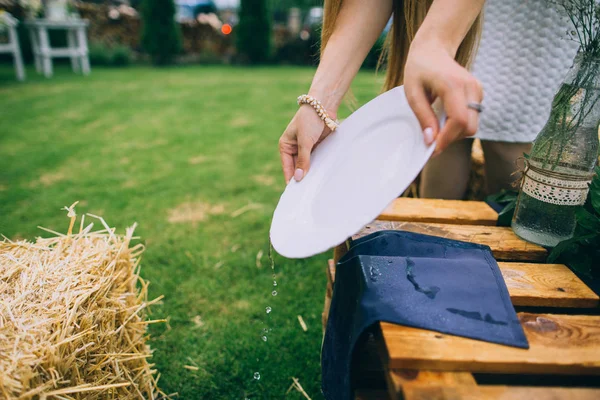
<point x="497" y="393"/>
<point x="546" y="285"/>
<point x="533" y="285"/>
<point x="440" y="211"/>
<point x="559" y="344"/>
<point x="399" y="380"/>
<point x="504" y="243"/>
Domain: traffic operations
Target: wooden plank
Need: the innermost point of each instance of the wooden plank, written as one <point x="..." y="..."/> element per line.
<point x="325" y="313"/>
<point x="330" y="276"/>
<point x="497" y="393"/>
<point x="532" y="285"/>
<point x="440" y="211"/>
<point x="399" y="379"/>
<point x="339" y="251"/>
<point x="546" y="285"/>
<point x="559" y="344"/>
<point x="505" y="245"/>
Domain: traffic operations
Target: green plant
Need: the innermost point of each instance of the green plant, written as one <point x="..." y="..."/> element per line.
<point x="161" y="36"/>
<point x="254" y="32"/>
<point x="99" y="54"/>
<point x="572" y="105"/>
<point x="106" y="56"/>
<point x="508" y="200"/>
<point x="121" y="56"/>
<point x="582" y="251"/>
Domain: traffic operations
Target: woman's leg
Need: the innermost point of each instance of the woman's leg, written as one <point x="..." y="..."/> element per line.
<point x="500" y="164"/>
<point x="447" y="175"/>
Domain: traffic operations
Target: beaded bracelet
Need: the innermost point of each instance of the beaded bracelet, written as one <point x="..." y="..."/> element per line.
<point x="316" y="104"/>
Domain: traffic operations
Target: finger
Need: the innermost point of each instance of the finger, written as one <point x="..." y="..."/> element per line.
<point x="287" y="164"/>
<point x="474" y="94"/>
<point x="421" y="106"/>
<point x="303" y="163"/>
<point x="455" y="104"/>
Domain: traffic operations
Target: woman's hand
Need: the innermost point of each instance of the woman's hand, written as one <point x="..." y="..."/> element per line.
<point x="304" y="132"/>
<point x="432" y="73"/>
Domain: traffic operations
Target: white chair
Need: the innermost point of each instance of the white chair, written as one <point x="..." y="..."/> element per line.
<point x="12" y="46"/>
<point x="76" y="50"/>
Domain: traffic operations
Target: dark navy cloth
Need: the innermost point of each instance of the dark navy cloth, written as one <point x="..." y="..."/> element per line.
<point x="415" y="280"/>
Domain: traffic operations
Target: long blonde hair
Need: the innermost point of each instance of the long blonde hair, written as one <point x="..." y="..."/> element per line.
<point x="407" y="18"/>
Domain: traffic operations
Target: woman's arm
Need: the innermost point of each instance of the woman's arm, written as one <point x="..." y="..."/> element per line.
<point x="358" y="26"/>
<point x="431" y="72"/>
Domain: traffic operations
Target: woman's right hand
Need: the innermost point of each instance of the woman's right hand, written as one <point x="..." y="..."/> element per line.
<point x="304" y="132"/>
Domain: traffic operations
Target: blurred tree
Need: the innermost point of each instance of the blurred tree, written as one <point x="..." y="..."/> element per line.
<point x="161" y="37"/>
<point x="254" y="31"/>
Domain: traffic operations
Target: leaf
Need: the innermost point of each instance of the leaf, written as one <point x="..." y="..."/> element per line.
<point x="506" y="215"/>
<point x="587" y="220"/>
<point x="566" y="245"/>
<point x="595" y="190"/>
<point x="504" y="196"/>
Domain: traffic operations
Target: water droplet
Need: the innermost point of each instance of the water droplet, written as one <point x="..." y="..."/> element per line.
<point x="274" y="292"/>
<point x="264" y="338"/>
<point x="268" y="310"/>
<point x="274" y="283"/>
<point x="256" y="376"/>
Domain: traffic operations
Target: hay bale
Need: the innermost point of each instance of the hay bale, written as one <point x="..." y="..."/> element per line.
<point x="72" y="317"/>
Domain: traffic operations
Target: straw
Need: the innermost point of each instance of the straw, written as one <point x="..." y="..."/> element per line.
<point x="73" y="317"/>
<point x="302" y="323"/>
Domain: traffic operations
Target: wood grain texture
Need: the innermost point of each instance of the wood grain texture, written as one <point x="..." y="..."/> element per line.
<point x="399" y="379"/>
<point x="559" y="344"/>
<point x="505" y="245"/>
<point x="440" y="211"/>
<point x="532" y="285"/>
<point x="417" y="392"/>
<point x="330" y="277"/>
<point x="546" y="285"/>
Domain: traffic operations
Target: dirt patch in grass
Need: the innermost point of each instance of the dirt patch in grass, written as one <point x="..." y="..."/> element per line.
<point x="3" y="188"/>
<point x="49" y="179"/>
<point x="265" y="180"/>
<point x="197" y="160"/>
<point x="194" y="212"/>
<point x="128" y="184"/>
<point x="240" y="121"/>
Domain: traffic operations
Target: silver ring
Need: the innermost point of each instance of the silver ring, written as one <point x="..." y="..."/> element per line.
<point x="475" y="106"/>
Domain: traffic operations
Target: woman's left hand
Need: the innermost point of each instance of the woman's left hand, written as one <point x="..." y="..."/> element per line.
<point x="432" y="73"/>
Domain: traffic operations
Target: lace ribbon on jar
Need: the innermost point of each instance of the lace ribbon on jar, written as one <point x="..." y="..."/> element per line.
<point x="555" y="187"/>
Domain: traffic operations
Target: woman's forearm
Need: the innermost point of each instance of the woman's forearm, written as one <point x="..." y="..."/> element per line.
<point x="448" y="21"/>
<point x="358" y="26"/>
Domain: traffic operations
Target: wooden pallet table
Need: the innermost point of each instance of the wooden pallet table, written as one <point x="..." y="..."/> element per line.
<point x="559" y="313"/>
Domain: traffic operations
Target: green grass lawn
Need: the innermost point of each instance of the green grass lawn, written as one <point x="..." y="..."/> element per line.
<point x="179" y="151"/>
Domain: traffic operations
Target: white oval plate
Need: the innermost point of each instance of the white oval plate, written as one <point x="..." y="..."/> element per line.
<point x="355" y="173"/>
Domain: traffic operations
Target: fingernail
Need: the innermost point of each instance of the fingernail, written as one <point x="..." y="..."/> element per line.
<point x="298" y="175"/>
<point x="428" y="133"/>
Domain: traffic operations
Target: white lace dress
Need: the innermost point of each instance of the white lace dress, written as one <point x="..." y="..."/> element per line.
<point x="524" y="54"/>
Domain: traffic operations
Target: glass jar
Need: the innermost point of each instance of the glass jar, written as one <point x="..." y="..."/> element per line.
<point x="560" y="166"/>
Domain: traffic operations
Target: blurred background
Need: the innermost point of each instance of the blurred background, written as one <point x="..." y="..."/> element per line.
<point x="215" y="32"/>
<point x="176" y="128"/>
